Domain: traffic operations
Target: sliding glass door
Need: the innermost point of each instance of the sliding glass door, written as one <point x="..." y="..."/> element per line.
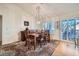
<point x="64" y="29"/>
<point x="71" y="29"/>
<point x="77" y="31"/>
<point x="68" y="29"/>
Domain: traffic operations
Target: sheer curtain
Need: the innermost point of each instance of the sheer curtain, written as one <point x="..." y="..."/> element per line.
<point x="49" y="26"/>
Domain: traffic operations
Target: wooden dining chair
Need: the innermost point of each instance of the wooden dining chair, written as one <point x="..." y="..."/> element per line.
<point x="41" y="40"/>
<point x="23" y="36"/>
<point x="31" y="42"/>
<point x="47" y="35"/>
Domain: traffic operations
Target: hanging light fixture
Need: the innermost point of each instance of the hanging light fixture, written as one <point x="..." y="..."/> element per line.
<point x="38" y="14"/>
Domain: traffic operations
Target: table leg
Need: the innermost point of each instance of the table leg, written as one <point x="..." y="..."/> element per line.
<point x="35" y="43"/>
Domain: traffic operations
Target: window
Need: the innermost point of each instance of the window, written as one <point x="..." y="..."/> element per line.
<point x="49" y="26"/>
<point x="77" y="28"/>
<point x="68" y="29"/>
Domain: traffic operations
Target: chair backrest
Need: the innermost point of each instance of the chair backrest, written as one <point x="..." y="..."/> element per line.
<point x="31" y="36"/>
<point x="23" y="38"/>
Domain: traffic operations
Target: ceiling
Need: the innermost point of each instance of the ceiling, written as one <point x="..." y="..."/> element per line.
<point x="50" y="9"/>
<point x="47" y="9"/>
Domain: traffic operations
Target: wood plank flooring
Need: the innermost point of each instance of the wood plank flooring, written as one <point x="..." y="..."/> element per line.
<point x="66" y="49"/>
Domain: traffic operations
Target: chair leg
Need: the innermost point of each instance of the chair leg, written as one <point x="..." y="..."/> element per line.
<point x="41" y="44"/>
<point x="34" y="47"/>
<point x="28" y="45"/>
<point x="25" y="43"/>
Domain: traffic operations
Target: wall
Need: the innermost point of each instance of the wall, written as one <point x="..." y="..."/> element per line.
<point x="0" y="28"/>
<point x="12" y="23"/>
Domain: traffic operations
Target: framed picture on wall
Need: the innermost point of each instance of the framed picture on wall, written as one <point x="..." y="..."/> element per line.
<point x="26" y="23"/>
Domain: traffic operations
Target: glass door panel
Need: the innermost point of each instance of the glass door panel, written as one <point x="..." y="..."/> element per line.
<point x="68" y="29"/>
<point x="71" y="29"/>
<point x="64" y="29"/>
<point x="77" y="32"/>
<point x="77" y="29"/>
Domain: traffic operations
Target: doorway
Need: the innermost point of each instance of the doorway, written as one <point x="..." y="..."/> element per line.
<point x="0" y="30"/>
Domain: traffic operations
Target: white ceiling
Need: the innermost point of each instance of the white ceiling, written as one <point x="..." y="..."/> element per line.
<point x="51" y="9"/>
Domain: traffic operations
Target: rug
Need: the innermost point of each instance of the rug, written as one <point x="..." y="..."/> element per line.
<point x="18" y="49"/>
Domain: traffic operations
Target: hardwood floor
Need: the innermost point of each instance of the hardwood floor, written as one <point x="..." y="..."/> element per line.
<point x="66" y="49"/>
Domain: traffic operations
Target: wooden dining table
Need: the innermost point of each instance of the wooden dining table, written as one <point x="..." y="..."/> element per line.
<point x="36" y="35"/>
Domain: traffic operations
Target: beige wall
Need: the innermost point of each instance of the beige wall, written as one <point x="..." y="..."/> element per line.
<point x="0" y="28"/>
<point x="12" y="23"/>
